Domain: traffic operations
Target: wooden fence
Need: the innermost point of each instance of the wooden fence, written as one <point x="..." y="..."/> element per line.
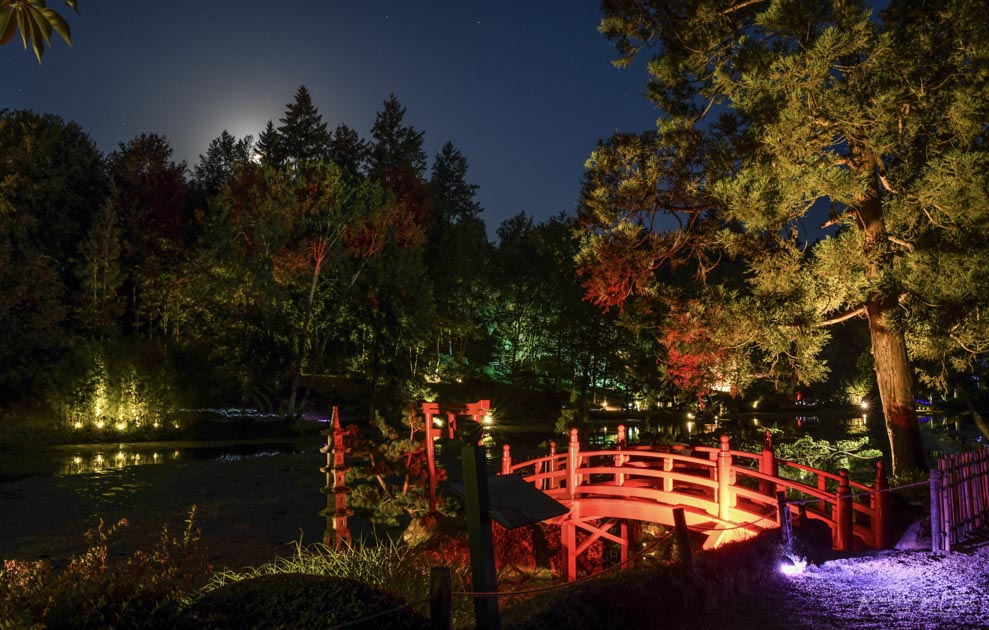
<point x="959" y="498"/>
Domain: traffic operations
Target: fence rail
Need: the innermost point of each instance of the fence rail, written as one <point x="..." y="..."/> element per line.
<point x="959" y="498"/>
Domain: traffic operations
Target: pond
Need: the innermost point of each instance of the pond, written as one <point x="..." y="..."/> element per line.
<point x="81" y="459"/>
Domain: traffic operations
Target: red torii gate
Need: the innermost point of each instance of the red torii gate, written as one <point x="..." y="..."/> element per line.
<point x="476" y="411"/>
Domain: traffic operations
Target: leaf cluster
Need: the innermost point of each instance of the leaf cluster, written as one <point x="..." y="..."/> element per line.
<point x="35" y="22"/>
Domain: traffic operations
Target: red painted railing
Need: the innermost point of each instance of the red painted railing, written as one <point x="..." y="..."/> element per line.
<point x="724" y="489"/>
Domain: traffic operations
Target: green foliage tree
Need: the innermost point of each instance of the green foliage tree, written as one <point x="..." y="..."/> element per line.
<point x="224" y="155"/>
<point x="152" y="203"/>
<point x="771" y="110"/>
<point x="457" y="256"/>
<point x="35" y="22"/>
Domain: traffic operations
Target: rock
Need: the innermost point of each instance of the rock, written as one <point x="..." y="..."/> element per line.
<point x="916" y="538"/>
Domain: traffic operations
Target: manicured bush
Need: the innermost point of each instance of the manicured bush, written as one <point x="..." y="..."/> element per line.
<point x="290" y="600"/>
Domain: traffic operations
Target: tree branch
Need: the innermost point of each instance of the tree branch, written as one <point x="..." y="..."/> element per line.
<point x="837" y="320"/>
<point x="740" y="6"/>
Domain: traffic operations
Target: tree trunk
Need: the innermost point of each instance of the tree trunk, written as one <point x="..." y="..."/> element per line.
<point x="893" y="374"/>
<point x="889" y="349"/>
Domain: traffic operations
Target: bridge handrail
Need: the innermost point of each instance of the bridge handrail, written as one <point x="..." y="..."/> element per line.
<point x="636" y="455"/>
<point x="822" y="473"/>
<point x="538" y="461"/>
<point x="647" y="472"/>
<point x="797" y="486"/>
<point x="715" y="450"/>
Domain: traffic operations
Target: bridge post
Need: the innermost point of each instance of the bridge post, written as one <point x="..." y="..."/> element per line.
<point x="767" y="465"/>
<point x="667" y="480"/>
<point x="844" y="514"/>
<point x="506" y="459"/>
<point x="620" y="458"/>
<point x="573" y="461"/>
<point x="554" y="483"/>
<point x="724" y="479"/>
<point x="880" y="508"/>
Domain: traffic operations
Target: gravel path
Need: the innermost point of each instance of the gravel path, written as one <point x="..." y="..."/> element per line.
<point x="886" y="589"/>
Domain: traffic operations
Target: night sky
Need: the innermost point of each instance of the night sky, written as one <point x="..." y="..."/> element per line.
<point x="523" y="89"/>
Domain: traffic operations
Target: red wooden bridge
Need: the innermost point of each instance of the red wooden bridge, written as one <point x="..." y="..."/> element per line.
<point x="726" y="494"/>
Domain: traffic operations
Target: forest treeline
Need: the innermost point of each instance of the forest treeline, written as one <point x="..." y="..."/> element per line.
<point x="132" y="283"/>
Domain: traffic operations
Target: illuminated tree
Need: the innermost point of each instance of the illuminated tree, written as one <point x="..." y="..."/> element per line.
<point x="774" y="112"/>
<point x="35" y="22"/>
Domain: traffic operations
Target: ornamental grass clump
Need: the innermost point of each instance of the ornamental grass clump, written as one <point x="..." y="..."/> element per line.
<point x="145" y="590"/>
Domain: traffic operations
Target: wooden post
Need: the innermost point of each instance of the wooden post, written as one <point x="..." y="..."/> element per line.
<point x="573" y="461"/>
<point x="947" y="506"/>
<point x="767" y="465"/>
<point x="568" y="532"/>
<point x="620" y="458"/>
<point x="786" y="525"/>
<point x="506" y="459"/>
<point x="880" y="508"/>
<point x="937" y="543"/>
<point x="683" y="541"/>
<point x="440" y="596"/>
<point x="844" y="516"/>
<point x="554" y="483"/>
<point x="482" y="559"/>
<point x="623" y="533"/>
<point x="724" y="479"/>
<point x="822" y="485"/>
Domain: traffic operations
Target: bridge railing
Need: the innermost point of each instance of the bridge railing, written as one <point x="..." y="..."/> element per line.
<point x="731" y="485"/>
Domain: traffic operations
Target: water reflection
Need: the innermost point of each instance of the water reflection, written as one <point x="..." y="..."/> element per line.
<point x="96" y="461"/>
<point x="87" y="459"/>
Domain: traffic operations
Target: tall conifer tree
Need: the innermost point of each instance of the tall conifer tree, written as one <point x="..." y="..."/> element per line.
<point x="771" y="110"/>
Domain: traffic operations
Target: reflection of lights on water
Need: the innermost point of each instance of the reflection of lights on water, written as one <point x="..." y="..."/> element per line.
<point x="155" y="456"/>
<point x="76" y="460"/>
<point x="99" y="459"/>
<point x="137" y="457"/>
<point x="175" y="455"/>
<point x="690" y="427"/>
<point x="119" y="456"/>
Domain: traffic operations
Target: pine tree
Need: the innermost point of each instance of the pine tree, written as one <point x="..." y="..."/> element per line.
<point x="224" y="154"/>
<point x="269" y="147"/>
<point x="348" y="151"/>
<point x="396" y="154"/>
<point x="453" y="197"/>
<point x="304" y="139"/>
<point x="771" y="110"/>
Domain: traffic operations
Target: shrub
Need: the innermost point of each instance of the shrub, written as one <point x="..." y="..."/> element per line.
<point x="292" y="600"/>
<point x="145" y="590"/>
